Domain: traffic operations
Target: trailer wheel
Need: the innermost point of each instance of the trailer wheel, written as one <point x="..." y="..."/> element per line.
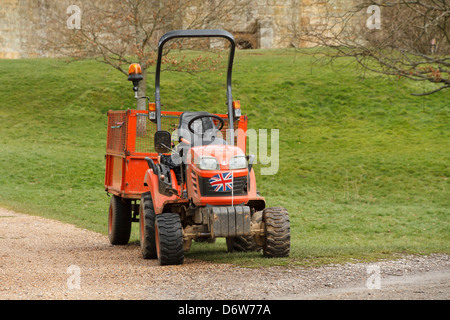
<point x="119" y="221"/>
<point x="169" y="239"/>
<point x="147" y="227"/>
<point x="278" y="233"/>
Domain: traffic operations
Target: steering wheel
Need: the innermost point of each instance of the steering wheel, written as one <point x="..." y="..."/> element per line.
<point x="205" y="116"/>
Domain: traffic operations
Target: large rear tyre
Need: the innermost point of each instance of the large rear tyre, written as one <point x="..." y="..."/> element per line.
<point x="169" y="239"/>
<point x="119" y="221"/>
<point x="278" y="232"/>
<point x="242" y="244"/>
<point x="147" y="227"/>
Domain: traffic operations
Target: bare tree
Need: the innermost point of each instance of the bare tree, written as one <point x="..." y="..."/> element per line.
<point x="119" y="32"/>
<point x="403" y="38"/>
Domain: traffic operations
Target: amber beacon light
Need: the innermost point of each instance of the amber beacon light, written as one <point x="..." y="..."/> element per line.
<point x="135" y="75"/>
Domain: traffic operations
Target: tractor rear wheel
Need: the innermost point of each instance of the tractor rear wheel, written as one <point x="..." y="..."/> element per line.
<point x="278" y="232"/>
<point x="119" y="221"/>
<point x="169" y="239"/>
<point x="242" y="244"/>
<point x="245" y="243"/>
<point x="147" y="227"/>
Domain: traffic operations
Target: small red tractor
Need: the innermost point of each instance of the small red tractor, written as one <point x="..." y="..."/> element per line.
<point x="200" y="189"/>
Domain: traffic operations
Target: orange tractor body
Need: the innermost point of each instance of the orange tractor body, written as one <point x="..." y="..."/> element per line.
<point x="202" y="188"/>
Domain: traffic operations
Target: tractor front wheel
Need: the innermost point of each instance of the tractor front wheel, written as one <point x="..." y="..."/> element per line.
<point x="278" y="232"/>
<point x="119" y="221"/>
<point x="169" y="239"/>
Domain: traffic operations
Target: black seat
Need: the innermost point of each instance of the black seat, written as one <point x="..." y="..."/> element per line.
<point x="206" y="133"/>
<point x="204" y="128"/>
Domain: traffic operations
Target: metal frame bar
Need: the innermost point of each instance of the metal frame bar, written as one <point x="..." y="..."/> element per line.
<point x="196" y="34"/>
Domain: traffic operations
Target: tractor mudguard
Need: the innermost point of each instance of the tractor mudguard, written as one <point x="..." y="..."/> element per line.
<point x="152" y="181"/>
<point x="254" y="199"/>
<point x="161" y="171"/>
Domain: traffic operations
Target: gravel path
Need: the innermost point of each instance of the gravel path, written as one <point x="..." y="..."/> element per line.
<point x="46" y="259"/>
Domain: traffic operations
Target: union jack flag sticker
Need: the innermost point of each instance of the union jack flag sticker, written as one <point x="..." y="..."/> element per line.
<point x="222" y="182"/>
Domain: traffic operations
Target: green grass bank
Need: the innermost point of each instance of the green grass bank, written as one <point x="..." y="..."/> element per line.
<point x="363" y="166"/>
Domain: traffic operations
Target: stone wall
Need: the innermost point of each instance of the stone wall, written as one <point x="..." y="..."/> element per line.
<point x="22" y="27"/>
<point x="277" y="23"/>
<point x="12" y="33"/>
<point x="264" y="24"/>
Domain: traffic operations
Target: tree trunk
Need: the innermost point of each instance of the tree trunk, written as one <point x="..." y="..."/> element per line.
<point x="141" y="128"/>
<point x="142" y="103"/>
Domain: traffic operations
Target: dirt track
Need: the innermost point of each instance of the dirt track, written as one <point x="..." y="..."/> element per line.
<point x="46" y="259"/>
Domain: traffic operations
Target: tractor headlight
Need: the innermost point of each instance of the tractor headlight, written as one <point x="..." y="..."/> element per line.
<point x="208" y="163"/>
<point x="238" y="162"/>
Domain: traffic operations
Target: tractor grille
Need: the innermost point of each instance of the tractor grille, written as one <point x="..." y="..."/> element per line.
<point x="239" y="188"/>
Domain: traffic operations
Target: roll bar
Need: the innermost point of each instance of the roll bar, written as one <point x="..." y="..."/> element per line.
<point x="196" y="34"/>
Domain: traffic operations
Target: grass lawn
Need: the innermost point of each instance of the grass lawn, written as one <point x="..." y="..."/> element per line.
<point x="363" y="167"/>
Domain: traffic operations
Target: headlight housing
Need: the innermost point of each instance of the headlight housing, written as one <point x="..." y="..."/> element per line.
<point x="238" y="162"/>
<point x="208" y="163"/>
